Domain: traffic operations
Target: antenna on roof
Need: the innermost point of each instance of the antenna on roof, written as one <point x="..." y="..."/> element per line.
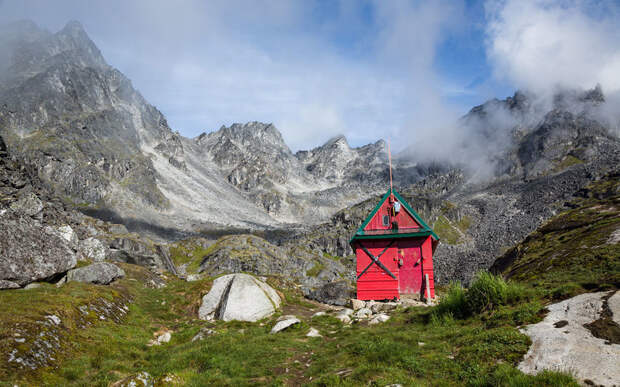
<point x="390" y="159"/>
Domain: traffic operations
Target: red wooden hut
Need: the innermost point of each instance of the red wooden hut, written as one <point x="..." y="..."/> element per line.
<point x="394" y="250"/>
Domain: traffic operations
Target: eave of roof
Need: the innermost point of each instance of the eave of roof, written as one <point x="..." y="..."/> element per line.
<point x="424" y="231"/>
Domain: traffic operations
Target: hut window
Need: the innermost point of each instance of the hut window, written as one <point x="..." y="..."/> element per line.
<point x="386" y="220"/>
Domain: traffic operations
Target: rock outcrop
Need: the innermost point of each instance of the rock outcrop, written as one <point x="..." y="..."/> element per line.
<point x="239" y="297"/>
<point x="251" y="254"/>
<point x="561" y="342"/>
<point x="101" y="273"/>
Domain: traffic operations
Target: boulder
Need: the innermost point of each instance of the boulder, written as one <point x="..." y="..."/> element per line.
<point x="28" y="204"/>
<point x="561" y="342"/>
<point x="283" y="323"/>
<point x="4" y="284"/>
<point x="30" y="252"/>
<point x="319" y="314"/>
<point x="239" y="297"/>
<point x="334" y="293"/>
<point x="101" y="273"/>
<point x="93" y="249"/>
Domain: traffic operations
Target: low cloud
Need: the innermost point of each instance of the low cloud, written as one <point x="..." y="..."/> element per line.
<point x="543" y="45"/>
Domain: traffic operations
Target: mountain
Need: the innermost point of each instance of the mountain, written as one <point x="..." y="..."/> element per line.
<point x="98" y="143"/>
<point x="537" y="159"/>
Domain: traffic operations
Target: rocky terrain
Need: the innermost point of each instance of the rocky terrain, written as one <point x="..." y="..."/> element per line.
<point x="98" y="143"/>
<point x="546" y="164"/>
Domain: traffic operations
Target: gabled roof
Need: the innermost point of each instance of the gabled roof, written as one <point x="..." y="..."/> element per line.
<point x="424" y="230"/>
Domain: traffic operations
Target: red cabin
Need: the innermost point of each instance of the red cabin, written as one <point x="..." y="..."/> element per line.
<point x="394" y="250"/>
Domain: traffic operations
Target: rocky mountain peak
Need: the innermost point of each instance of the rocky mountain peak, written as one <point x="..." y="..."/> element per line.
<point x="252" y="134"/>
<point x="73" y="37"/>
<point x="339" y="141"/>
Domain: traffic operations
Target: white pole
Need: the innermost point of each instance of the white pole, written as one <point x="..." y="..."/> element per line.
<point x="428" y="290"/>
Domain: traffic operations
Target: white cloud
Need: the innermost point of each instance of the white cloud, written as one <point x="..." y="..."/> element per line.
<point x="314" y="72"/>
<point x="542" y="45"/>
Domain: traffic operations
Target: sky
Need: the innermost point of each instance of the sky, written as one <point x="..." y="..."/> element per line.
<point x="370" y="70"/>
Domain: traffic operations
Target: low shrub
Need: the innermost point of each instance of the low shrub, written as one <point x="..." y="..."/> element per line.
<point x="453" y="302"/>
<point x="486" y="292"/>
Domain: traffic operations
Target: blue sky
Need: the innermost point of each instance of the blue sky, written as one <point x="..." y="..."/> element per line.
<point x="366" y="69"/>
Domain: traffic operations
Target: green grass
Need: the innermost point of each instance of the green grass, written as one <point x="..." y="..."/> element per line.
<point x="316" y="269"/>
<point x="471" y="338"/>
<point x="446" y="231"/>
<point x="486" y="293"/>
<point x="190" y="252"/>
<point x="566" y="162"/>
<point x="480" y="349"/>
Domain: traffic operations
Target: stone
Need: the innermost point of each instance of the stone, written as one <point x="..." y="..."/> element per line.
<point x="193" y="277"/>
<point x="345" y="311"/>
<point x="204" y="332"/>
<point x="357" y="304"/>
<point x="379" y="307"/>
<point x="33" y="285"/>
<point x="118" y="229"/>
<point x="101" y="273"/>
<point x="239" y="297"/>
<point x="28" y="204"/>
<point x="30" y="252"/>
<point x="363" y="313"/>
<point x="380" y="318"/>
<point x="161" y="337"/>
<point x="319" y="314"/>
<point x="284" y="322"/>
<point x="93" y="249"/>
<point x="313" y="332"/>
<point x="141" y="379"/>
<point x="4" y="284"/>
<point x="169" y="380"/>
<point x="573" y="348"/>
<point x="343" y="318"/>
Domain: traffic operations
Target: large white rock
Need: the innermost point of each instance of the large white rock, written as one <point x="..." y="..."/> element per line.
<point x="239" y="297"/>
<point x="571" y="347"/>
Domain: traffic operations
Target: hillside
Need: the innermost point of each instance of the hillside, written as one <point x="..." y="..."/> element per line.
<point x="417" y="346"/>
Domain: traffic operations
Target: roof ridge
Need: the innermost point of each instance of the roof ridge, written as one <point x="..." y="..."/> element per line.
<point x="425" y="227"/>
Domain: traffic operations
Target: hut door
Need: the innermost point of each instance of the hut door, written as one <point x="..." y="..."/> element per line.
<point x="410" y="273"/>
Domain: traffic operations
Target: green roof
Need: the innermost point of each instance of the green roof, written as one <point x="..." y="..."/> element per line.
<point x="424" y="230"/>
